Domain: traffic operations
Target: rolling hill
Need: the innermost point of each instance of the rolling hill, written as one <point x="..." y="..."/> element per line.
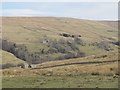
<point x="41" y="39"/>
<point x="24" y="30"/>
<point x="68" y="53"/>
<point x="9" y="60"/>
<point x="113" y="24"/>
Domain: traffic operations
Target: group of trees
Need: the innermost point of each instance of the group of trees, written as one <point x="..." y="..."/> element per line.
<point x="19" y="51"/>
<point x="71" y="55"/>
<point x="62" y="46"/>
<point x="103" y="45"/>
<point x="68" y="49"/>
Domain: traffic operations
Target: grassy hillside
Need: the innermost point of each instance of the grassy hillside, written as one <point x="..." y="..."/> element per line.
<point x="49" y="41"/>
<point x="38" y="81"/>
<point x="99" y="75"/>
<point x="56" y="38"/>
<point x="107" y="56"/>
<point x="33" y="29"/>
<point x="9" y="59"/>
<point x="104" y="75"/>
<point x="113" y="24"/>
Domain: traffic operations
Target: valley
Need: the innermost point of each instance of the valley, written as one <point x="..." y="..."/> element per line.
<point x="58" y="52"/>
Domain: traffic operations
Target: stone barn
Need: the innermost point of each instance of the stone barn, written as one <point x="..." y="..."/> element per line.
<point x="23" y="65"/>
<point x="26" y="66"/>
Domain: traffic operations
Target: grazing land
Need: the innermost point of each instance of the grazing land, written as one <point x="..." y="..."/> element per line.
<point x="58" y="52"/>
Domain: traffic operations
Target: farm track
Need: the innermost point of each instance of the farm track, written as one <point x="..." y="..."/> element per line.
<point x="77" y="63"/>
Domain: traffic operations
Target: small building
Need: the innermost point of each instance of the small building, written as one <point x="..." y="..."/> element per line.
<point x="23" y="65"/>
<point x="27" y="66"/>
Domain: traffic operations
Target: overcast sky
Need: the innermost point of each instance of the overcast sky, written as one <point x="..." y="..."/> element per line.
<point x="83" y="10"/>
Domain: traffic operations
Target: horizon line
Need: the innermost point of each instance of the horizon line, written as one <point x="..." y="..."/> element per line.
<point x="55" y="17"/>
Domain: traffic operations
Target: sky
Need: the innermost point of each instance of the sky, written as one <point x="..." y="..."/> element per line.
<point x="82" y="10"/>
